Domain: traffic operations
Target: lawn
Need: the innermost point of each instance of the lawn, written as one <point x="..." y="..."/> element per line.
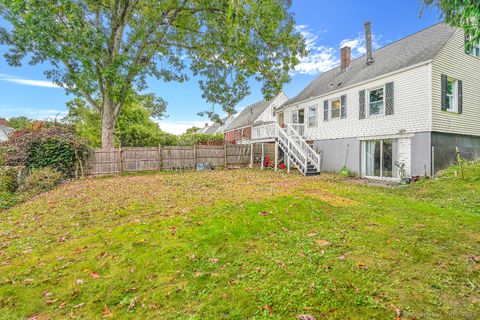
<point x="243" y="244"/>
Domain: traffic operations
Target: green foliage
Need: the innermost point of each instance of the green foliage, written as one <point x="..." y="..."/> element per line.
<point x="8" y="180"/>
<point x="134" y="127"/>
<point x="21" y="122"/>
<point x="190" y="139"/>
<point x="53" y="145"/>
<point x="104" y="51"/>
<point x="40" y="180"/>
<point x="463" y="14"/>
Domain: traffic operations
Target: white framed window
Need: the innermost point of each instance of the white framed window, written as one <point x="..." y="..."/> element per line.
<point x="335" y="106"/>
<point x="312" y="115"/>
<point x="376" y="102"/>
<point x="452" y="95"/>
<point x="295" y="116"/>
<point x="475" y="50"/>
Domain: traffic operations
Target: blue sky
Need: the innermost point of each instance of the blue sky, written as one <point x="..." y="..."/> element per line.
<point x="325" y="24"/>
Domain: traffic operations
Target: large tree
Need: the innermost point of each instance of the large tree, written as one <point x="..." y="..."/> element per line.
<point x="463" y="14"/>
<point x="104" y="50"/>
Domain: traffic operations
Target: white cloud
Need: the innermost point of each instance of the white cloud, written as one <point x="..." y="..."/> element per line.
<point x="179" y="127"/>
<point x="358" y="44"/>
<point x="39" y="114"/>
<point x="321" y="58"/>
<point x="28" y="82"/>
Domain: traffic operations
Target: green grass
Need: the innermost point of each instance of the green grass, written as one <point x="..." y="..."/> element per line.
<point x="243" y="245"/>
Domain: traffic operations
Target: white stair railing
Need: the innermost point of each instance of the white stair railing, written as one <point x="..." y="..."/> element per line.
<point x="291" y="142"/>
<point x="311" y="156"/>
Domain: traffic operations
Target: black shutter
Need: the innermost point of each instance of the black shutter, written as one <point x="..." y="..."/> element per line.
<point x="343" y="110"/>
<point x="460" y="96"/>
<point x="361" y="104"/>
<point x="325" y="110"/>
<point x="389" y="100"/>
<point x="467" y="39"/>
<point x="444" y="92"/>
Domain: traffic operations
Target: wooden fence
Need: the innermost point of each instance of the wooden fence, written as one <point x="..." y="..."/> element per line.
<point x="115" y="161"/>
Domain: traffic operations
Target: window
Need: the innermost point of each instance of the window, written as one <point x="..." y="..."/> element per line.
<point x="375" y="100"/>
<point x="312" y="116"/>
<point x="274" y="108"/>
<point x="452" y="95"/>
<point x="476" y="51"/>
<point x="335" y="109"/>
<point x="294" y="117"/>
<point x="380" y="157"/>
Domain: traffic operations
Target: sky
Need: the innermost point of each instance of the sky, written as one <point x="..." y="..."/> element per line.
<point x="326" y="26"/>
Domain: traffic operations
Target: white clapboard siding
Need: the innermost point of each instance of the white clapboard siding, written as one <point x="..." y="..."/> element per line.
<point x="454" y="62"/>
<point x="412" y="111"/>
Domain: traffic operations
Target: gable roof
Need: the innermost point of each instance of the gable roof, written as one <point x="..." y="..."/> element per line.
<point x="219" y="127"/>
<point x="411" y="50"/>
<point x="5" y="132"/>
<point x="248" y="115"/>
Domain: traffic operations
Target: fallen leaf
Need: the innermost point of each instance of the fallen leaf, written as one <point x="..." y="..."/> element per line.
<point x="214" y="260"/>
<point x="79" y="305"/>
<point x="475" y="259"/>
<point x="263" y="213"/>
<point x="94" y="275"/>
<point x="269" y="308"/>
<point x="106" y="312"/>
<point x="322" y="243"/>
<point x="133" y="303"/>
<point x="398" y="312"/>
<point x="362" y="265"/>
<point x="342" y="257"/>
<point x="79" y="281"/>
<point x="306" y="317"/>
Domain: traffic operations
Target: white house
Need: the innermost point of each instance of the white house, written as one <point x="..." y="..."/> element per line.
<point x="406" y="105"/>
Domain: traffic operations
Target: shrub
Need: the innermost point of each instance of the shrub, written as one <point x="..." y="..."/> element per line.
<point x="45" y="145"/>
<point x="8" y="180"/>
<point x="42" y="180"/>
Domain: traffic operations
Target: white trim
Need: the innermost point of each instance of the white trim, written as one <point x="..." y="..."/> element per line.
<point x="386" y="137"/>
<point x="381" y="114"/>
<point x="386" y="75"/>
<point x="339" y="108"/>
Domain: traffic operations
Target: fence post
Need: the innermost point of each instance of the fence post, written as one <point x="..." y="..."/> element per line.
<point x="251" y="155"/>
<point x="120" y="160"/>
<point x="225" y="146"/>
<point x="194" y="154"/>
<point x="159" y="157"/>
<point x="459" y="160"/>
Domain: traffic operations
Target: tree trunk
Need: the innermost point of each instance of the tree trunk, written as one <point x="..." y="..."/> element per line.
<point x="108" y="125"/>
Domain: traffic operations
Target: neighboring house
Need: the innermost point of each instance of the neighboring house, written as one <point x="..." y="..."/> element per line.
<point x="216" y="127"/>
<point x="257" y="114"/>
<point x="408" y="104"/>
<point x="4" y="130"/>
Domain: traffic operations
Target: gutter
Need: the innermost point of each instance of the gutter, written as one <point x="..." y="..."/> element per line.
<point x="282" y="108"/>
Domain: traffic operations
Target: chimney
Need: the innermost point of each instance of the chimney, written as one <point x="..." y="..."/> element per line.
<point x="368" y="41"/>
<point x="3" y="121"/>
<point x="346" y="53"/>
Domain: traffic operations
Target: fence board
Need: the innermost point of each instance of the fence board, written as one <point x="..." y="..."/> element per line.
<point x="114" y="161"/>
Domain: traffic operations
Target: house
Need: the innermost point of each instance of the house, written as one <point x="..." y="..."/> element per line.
<point x="255" y="115"/>
<point x="396" y="112"/>
<point x="5" y="131"/>
<point x="216" y="127"/>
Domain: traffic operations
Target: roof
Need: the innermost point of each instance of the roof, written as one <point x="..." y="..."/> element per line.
<point x="248" y="115"/>
<point x="411" y="50"/>
<point x="216" y="127"/>
<point x="5" y="132"/>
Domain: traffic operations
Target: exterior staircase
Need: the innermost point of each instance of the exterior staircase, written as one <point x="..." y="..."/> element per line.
<point x="296" y="150"/>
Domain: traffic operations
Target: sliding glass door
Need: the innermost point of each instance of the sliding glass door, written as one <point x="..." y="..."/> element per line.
<point x="379" y="158"/>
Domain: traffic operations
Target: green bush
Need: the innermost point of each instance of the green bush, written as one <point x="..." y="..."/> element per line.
<point x="42" y="180"/>
<point x="8" y="180"/>
<point x="45" y="145"/>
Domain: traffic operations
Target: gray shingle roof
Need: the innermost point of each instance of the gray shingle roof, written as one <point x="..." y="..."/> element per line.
<point x="248" y="115"/>
<point x="416" y="48"/>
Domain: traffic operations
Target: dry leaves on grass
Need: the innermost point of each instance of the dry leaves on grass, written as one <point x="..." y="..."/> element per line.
<point x="322" y="243"/>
